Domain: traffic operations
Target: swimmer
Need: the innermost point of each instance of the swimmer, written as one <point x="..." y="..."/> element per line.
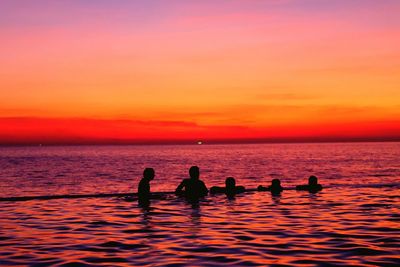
<point x="193" y="187"/>
<point x="230" y="188"/>
<point x="144" y="184"/>
<point x="275" y="187"/>
<point x="312" y="187"/>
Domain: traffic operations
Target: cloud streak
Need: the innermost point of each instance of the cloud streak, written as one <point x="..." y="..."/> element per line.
<point x="31" y="130"/>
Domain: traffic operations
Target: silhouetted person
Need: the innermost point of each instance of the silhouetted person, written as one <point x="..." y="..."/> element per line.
<point x="313" y="185"/>
<point x="230" y="188"/>
<point x="144" y="185"/>
<point x="193" y="187"/>
<point x="275" y="188"/>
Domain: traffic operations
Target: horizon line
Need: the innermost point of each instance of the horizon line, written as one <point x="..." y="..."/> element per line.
<point x="108" y="142"/>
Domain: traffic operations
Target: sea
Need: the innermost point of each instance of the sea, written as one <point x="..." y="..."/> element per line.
<point x="353" y="221"/>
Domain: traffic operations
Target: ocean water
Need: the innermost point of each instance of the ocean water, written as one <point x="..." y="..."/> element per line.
<point x="354" y="221"/>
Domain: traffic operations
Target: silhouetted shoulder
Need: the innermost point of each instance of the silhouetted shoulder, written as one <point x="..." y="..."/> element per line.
<point x="240" y="189"/>
<point x="179" y="190"/>
<point x="186" y="181"/>
<point x="191" y="188"/>
<point x="310" y="188"/>
<point x="144" y="188"/>
<point x="217" y="190"/>
<point x="203" y="188"/>
<point x="262" y="188"/>
<point x="315" y="188"/>
<point x="313" y="185"/>
<point x="274" y="188"/>
<point x="302" y="187"/>
<point x="230" y="188"/>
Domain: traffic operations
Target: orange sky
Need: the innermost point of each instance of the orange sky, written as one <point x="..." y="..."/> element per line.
<point x="188" y="70"/>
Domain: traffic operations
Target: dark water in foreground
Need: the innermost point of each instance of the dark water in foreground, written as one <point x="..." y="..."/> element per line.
<point x="354" y="221"/>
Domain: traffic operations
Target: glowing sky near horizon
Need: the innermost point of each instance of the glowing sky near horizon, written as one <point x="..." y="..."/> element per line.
<point x="199" y="69"/>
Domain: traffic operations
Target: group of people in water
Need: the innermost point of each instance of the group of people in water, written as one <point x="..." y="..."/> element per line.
<point x="195" y="188"/>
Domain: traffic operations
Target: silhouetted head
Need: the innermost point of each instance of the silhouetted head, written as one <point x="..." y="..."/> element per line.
<point x="276" y="183"/>
<point x="148" y="173"/>
<point x="230" y="183"/>
<point x="194" y="172"/>
<point x="313" y="180"/>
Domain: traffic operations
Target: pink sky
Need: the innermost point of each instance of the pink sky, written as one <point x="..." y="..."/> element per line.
<point x="222" y="70"/>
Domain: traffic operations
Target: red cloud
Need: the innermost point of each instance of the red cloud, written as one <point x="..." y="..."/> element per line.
<point x="30" y="130"/>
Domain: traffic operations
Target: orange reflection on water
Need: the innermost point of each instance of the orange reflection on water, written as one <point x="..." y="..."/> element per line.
<point x="295" y="228"/>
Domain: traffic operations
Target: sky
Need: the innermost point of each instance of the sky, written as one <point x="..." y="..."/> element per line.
<point x="121" y="71"/>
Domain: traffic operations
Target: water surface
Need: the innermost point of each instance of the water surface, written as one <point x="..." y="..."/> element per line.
<point x="354" y="221"/>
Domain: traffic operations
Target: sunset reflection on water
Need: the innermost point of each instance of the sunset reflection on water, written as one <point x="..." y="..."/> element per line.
<point x="253" y="229"/>
<point x="354" y="220"/>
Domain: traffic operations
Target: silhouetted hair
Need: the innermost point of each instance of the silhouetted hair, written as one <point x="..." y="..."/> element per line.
<point x="275" y="183"/>
<point x="148" y="173"/>
<point x="312" y="180"/>
<point x="194" y="172"/>
<point x="276" y="187"/>
<point x="230" y="182"/>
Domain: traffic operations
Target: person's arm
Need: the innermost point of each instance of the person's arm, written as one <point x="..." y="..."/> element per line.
<point x="262" y="188"/>
<point x="140" y="188"/>
<point x="302" y="187"/>
<point x="179" y="190"/>
<point x="240" y="189"/>
<point x="315" y="188"/>
<point x="204" y="189"/>
<point x="217" y="189"/>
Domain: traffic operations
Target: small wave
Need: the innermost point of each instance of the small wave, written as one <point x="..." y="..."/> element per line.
<point x="385" y="229"/>
<point x="202" y="249"/>
<point x="362" y="251"/>
<point x="104" y="260"/>
<point x="316" y="263"/>
<point x="120" y="245"/>
<point x="375" y="205"/>
<point x="220" y="259"/>
<point x="244" y="237"/>
<point x="75" y="264"/>
<point x="374" y="185"/>
<point x="102" y="223"/>
<point x="380" y="175"/>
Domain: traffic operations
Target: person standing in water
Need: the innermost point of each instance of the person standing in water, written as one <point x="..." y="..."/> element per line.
<point x="193" y="187"/>
<point x="144" y="185"/>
